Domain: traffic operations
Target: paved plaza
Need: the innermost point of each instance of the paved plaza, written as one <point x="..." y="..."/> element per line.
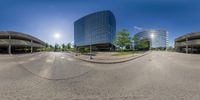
<point x="58" y="76"/>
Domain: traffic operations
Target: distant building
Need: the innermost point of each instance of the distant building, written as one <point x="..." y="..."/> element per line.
<point x="16" y="42"/>
<point x="97" y="29"/>
<point x="156" y="38"/>
<point x="189" y="43"/>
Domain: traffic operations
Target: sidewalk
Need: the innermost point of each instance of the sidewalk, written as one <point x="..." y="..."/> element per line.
<point x="107" y="57"/>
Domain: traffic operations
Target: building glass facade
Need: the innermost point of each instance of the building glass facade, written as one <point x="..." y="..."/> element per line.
<point x="97" y="29"/>
<point x="157" y="38"/>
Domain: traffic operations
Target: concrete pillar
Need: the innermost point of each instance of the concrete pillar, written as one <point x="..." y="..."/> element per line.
<point x="177" y="49"/>
<point x="186" y="45"/>
<point x="9" y="46"/>
<point x="192" y="49"/>
<point x="31" y="46"/>
<point x="9" y="49"/>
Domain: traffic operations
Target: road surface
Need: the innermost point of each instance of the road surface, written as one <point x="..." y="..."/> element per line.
<point x="57" y="76"/>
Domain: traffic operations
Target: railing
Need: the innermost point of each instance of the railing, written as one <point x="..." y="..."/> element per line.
<point x="190" y="42"/>
<point x="19" y="43"/>
<point x="4" y="41"/>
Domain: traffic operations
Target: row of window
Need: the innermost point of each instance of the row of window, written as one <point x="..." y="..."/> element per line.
<point x="101" y="27"/>
<point x="159" y="39"/>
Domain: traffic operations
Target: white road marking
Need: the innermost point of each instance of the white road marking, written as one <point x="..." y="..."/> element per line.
<point x="31" y="59"/>
<point x="69" y="59"/>
<point x="49" y="60"/>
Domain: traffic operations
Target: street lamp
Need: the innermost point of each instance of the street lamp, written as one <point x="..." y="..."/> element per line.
<point x="91" y="46"/>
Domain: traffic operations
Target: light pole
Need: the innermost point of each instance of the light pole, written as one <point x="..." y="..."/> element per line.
<point x="91" y="46"/>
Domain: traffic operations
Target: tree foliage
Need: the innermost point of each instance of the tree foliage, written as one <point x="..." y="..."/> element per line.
<point x="56" y="47"/>
<point x="123" y="39"/>
<point x="69" y="46"/>
<point x="141" y="44"/>
<point x="63" y="47"/>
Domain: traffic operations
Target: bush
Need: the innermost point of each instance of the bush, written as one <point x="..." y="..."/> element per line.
<point x="142" y="45"/>
<point x="123" y="53"/>
<point x="83" y="50"/>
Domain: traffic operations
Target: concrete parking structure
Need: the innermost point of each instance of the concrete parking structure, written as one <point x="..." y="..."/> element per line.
<point x="15" y="42"/>
<point x="189" y="43"/>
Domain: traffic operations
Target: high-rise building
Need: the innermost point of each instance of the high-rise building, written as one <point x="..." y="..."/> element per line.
<point x="97" y="29"/>
<point x="156" y="38"/>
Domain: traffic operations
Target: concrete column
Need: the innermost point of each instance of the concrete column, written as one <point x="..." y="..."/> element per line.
<point x="9" y="49"/>
<point x="9" y="46"/>
<point x="31" y="46"/>
<point x="192" y="49"/>
<point x="186" y="45"/>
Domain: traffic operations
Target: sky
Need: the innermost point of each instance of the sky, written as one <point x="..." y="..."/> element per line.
<point x="44" y="18"/>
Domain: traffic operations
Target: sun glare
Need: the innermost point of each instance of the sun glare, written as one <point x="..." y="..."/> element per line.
<point x="152" y="35"/>
<point x="57" y="35"/>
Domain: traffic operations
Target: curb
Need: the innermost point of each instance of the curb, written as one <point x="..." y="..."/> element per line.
<point x="112" y="62"/>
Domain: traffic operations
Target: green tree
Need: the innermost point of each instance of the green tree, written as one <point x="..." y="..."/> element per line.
<point x="141" y="44"/>
<point x="144" y="44"/>
<point x="123" y="39"/>
<point x="63" y="47"/>
<point x="45" y="48"/>
<point x="136" y="41"/>
<point x="84" y="49"/>
<point x="51" y="47"/>
<point x="69" y="46"/>
<point x="56" y="47"/>
<point x="46" y="45"/>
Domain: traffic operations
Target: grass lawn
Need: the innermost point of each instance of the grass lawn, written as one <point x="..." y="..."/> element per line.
<point x="122" y="53"/>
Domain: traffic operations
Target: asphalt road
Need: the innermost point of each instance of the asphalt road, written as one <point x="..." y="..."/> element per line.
<point x="57" y="76"/>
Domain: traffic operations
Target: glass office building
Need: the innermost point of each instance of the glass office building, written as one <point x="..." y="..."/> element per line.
<point x="96" y="29"/>
<point x="157" y="38"/>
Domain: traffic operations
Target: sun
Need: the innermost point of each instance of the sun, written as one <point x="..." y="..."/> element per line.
<point x="152" y="35"/>
<point x="57" y="35"/>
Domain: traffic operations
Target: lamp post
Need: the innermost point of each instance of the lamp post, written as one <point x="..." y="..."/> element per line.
<point x="91" y="46"/>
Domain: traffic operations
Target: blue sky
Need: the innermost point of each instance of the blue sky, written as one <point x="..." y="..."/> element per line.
<point x="43" y="18"/>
